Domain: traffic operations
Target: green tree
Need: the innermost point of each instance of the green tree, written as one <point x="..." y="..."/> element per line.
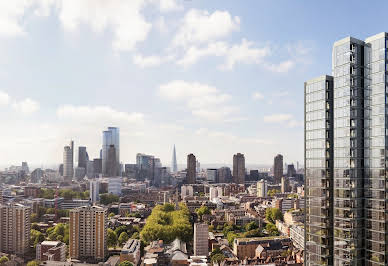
<point x="120" y="229"/>
<point x="34" y="218"/>
<point x="108" y="198"/>
<point x="135" y="235"/>
<point x="273" y="214"/>
<point x="271" y="229"/>
<point x="251" y="226"/>
<point x="202" y="211"/>
<point x="111" y="238"/>
<point x="111" y="215"/>
<point x="35" y="226"/>
<point x="125" y="263"/>
<point x="217" y="258"/>
<point x="3" y="259"/>
<point x="230" y="237"/>
<point x="33" y="263"/>
<point x="123" y="238"/>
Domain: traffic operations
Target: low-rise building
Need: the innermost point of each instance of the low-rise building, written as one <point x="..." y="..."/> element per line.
<point x="51" y="250"/>
<point x="246" y="247"/>
<point x="131" y="251"/>
<point x="297" y="235"/>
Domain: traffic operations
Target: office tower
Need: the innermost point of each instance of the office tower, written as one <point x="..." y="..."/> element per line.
<point x="25" y="168"/>
<point x="211" y="174"/>
<point x="15" y="228"/>
<point x="68" y="162"/>
<point x="83" y="157"/>
<point x="60" y="169"/>
<point x="285" y="185"/>
<point x="94" y="190"/>
<point x="97" y="166"/>
<point x="90" y="169"/>
<point x="174" y="165"/>
<point x="147" y="166"/>
<point x="261" y="188"/>
<point x="201" y="239"/>
<point x="224" y="175"/>
<point x="239" y="168"/>
<point x="111" y="162"/>
<point x="191" y="176"/>
<point x="319" y="239"/>
<point x="197" y="166"/>
<point x="87" y="236"/>
<point x="110" y="137"/>
<point x="278" y="168"/>
<point x="37" y="176"/>
<point x="79" y="173"/>
<point x="291" y="172"/>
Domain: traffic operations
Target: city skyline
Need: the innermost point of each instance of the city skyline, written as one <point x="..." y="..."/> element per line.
<point x="210" y="104"/>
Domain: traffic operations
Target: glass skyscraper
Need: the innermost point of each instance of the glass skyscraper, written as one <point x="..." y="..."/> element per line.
<point x="350" y="228"/>
<point x="110" y="137"/>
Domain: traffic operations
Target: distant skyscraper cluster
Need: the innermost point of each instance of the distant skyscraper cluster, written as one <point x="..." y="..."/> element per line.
<point x="111" y="152"/>
<point x="345" y="157"/>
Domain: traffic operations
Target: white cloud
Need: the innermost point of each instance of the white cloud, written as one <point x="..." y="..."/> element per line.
<point x="238" y="53"/>
<point x="257" y="96"/>
<point x="277" y="118"/>
<point x="147" y="61"/>
<point x="161" y="25"/>
<point x="203" y="101"/>
<point x="4" y="98"/>
<point x="26" y="106"/>
<point x="199" y="26"/>
<point x="169" y="5"/>
<point x="285" y="119"/>
<point x="244" y="53"/>
<point x="98" y="114"/>
<point x="224" y="136"/>
<point x="122" y="17"/>
<point x="282" y="67"/>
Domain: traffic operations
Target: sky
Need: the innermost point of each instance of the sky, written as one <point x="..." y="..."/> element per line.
<point x="212" y="77"/>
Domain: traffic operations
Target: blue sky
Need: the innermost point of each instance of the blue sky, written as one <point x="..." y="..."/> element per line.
<point x="214" y="77"/>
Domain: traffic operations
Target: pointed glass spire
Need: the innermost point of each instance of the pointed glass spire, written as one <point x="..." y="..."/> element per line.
<point x="174" y="166"/>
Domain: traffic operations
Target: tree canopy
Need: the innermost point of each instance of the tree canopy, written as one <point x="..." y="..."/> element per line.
<point x="108" y="198"/>
<point x="166" y="223"/>
<point x="273" y="214"/>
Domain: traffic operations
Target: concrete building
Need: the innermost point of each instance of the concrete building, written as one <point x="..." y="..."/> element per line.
<point x="94" y="190"/>
<point x="97" y="166"/>
<point x="15" y="228"/>
<point x="68" y="162"/>
<point x="215" y="192"/>
<point x="291" y="170"/>
<point x="224" y="175"/>
<point x="51" y="251"/>
<point x="278" y="168"/>
<point x="187" y="191"/>
<point x="114" y="185"/>
<point x="201" y="239"/>
<point x="88" y="232"/>
<point x="285" y="184"/>
<point x="261" y="188"/>
<point x="239" y="168"/>
<point x="131" y="251"/>
<point x="191" y="177"/>
<point x="297" y="236"/>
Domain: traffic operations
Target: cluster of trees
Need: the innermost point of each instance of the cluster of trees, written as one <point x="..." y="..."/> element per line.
<point x="36" y="217"/>
<point x="272" y="192"/>
<point x="108" y="198"/>
<point x="166" y="223"/>
<point x="232" y="231"/>
<point x="202" y="211"/>
<point x="67" y="194"/>
<point x="36" y="237"/>
<point x="59" y="232"/>
<point x="121" y="235"/>
<point x="217" y="256"/>
<point x="3" y="259"/>
<point x="272" y="215"/>
<point x="33" y="263"/>
<point x="125" y="263"/>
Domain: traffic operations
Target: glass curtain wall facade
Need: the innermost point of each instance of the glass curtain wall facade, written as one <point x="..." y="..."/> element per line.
<point x="319" y="171"/>
<point x="360" y="151"/>
<point x="110" y="137"/>
<point x="375" y="150"/>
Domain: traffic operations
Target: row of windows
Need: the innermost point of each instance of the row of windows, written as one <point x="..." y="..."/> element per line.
<point x="375" y="67"/>
<point x="316" y="86"/>
<point x="316" y="134"/>
<point x="375" y="78"/>
<point x="342" y="92"/>
<point x="316" y="153"/>
<point x="315" y="162"/>
<point x="342" y="102"/>
<point x="320" y="105"/>
<point x="342" y="112"/>
<point x="315" y="115"/>
<point x="374" y="55"/>
<point x="315" y="96"/>
<point x="316" y="144"/>
<point x="317" y="124"/>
